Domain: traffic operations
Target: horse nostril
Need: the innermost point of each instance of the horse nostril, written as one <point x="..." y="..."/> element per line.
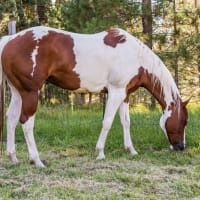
<point x="178" y="147"/>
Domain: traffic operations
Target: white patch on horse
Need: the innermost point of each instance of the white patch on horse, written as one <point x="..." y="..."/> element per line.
<point x="166" y="114"/>
<point x="3" y="42"/>
<point x="99" y="65"/>
<point x="33" y="58"/>
<point x="40" y="32"/>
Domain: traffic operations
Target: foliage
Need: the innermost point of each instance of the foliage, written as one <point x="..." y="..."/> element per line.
<point x="175" y="33"/>
<point x="88" y="16"/>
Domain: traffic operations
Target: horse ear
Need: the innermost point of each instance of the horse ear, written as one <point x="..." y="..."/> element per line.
<point x="187" y="101"/>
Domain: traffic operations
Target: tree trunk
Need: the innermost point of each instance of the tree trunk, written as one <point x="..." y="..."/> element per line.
<point x="90" y="98"/>
<point x="147" y="21"/>
<point x="175" y="61"/>
<point x="42" y="9"/>
<point x="147" y="24"/>
<point x="21" y="15"/>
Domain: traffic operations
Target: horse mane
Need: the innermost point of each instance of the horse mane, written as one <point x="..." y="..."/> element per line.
<point x="146" y="58"/>
<point x="153" y="64"/>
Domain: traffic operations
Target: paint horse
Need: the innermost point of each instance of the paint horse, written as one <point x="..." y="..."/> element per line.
<point x="112" y="60"/>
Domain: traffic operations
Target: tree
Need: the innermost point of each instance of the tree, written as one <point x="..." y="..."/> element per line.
<point x="89" y="16"/>
<point x="43" y="10"/>
<point x="147" y="24"/>
<point x="169" y="27"/>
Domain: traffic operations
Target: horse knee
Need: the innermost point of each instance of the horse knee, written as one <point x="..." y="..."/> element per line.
<point x="125" y="123"/>
<point x="28" y="125"/>
<point x="107" y="123"/>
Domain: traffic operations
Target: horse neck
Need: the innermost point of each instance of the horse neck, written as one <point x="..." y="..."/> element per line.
<point x="162" y="88"/>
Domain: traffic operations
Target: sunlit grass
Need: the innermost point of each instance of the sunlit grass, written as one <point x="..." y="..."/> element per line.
<point x="143" y="108"/>
<point x="193" y="107"/>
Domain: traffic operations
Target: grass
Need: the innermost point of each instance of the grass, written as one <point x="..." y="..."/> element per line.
<point x="66" y="141"/>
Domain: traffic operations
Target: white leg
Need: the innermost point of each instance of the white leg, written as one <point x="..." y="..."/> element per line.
<point x="125" y="120"/>
<point x="13" y="115"/>
<point x="28" y="133"/>
<point x="115" y="98"/>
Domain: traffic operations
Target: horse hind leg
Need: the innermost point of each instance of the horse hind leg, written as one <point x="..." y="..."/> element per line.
<point x="125" y="121"/>
<point x="30" y="140"/>
<point x="13" y="115"/>
<point x="29" y="106"/>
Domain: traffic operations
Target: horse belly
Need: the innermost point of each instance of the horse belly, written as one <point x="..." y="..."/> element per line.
<point x="98" y="72"/>
<point x="93" y="78"/>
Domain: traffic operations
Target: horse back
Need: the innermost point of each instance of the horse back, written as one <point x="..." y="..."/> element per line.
<point x="67" y="59"/>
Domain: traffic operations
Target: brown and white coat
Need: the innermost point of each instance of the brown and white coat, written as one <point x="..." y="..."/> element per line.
<point x="112" y="59"/>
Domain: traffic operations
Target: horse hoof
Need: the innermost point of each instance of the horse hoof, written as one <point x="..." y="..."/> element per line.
<point x="13" y="158"/>
<point x="132" y="151"/>
<point x="100" y="157"/>
<point x="37" y="163"/>
<point x="14" y="161"/>
<point x="40" y="165"/>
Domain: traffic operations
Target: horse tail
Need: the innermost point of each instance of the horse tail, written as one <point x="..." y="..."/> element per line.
<point x="3" y="42"/>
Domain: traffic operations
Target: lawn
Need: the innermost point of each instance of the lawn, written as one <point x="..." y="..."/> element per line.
<point x="66" y="141"/>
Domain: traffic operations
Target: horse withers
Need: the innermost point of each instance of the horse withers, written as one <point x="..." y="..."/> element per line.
<point x="113" y="60"/>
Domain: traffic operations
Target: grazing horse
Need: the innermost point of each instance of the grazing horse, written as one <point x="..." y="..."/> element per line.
<point x="112" y="60"/>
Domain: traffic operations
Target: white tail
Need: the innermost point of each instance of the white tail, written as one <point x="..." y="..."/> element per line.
<point x="3" y="42"/>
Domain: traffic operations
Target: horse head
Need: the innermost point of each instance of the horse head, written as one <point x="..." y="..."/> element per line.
<point x="173" y="123"/>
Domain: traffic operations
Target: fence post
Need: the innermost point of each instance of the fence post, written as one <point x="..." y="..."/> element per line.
<point x="72" y="101"/>
<point x="11" y="27"/>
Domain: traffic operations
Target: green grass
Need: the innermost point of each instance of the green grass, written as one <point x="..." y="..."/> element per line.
<point x="66" y="141"/>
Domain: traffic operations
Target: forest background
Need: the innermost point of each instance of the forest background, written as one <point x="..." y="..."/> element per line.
<point x="170" y="27"/>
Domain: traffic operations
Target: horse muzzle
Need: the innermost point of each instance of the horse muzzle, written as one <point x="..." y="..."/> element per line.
<point x="177" y="147"/>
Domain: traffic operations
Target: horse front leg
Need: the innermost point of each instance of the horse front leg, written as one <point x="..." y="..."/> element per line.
<point x="125" y="121"/>
<point x="115" y="98"/>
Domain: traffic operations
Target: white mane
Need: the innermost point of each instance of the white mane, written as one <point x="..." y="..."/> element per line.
<point x="153" y="64"/>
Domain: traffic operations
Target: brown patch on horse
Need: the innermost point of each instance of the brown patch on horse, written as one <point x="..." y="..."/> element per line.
<point x="61" y="60"/>
<point x="134" y="83"/>
<point x="146" y="80"/>
<point x="55" y="61"/>
<point x="114" y="37"/>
